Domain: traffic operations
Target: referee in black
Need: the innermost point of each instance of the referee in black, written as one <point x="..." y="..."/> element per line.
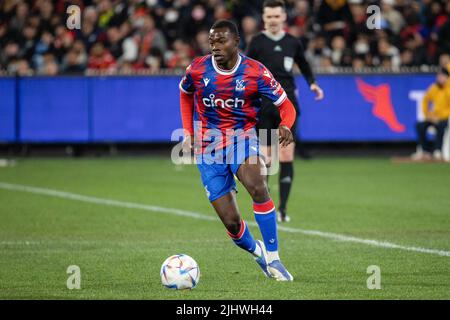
<point x="278" y="51"/>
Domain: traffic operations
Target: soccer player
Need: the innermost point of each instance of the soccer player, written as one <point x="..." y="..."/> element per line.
<point x="279" y="51"/>
<point x="219" y="93"/>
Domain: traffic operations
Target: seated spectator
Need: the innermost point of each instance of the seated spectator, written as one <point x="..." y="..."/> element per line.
<point x="393" y="18"/>
<point x="438" y="94"/>
<point x="100" y="58"/>
<point x="73" y="63"/>
<point x="413" y="32"/>
<point x="49" y="66"/>
<point x="249" y="29"/>
<point x="337" y="50"/>
<point x="335" y="18"/>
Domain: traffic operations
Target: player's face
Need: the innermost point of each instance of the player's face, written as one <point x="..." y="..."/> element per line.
<point x="441" y="79"/>
<point x="223" y="44"/>
<point x="274" y="19"/>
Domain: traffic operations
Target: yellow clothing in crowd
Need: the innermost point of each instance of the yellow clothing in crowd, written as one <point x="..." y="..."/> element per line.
<point x="440" y="99"/>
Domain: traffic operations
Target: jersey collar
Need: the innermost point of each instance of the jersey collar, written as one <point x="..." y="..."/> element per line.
<point x="226" y="72"/>
<point x="274" y="38"/>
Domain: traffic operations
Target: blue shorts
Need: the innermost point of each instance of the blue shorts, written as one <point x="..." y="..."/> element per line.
<point x="217" y="169"/>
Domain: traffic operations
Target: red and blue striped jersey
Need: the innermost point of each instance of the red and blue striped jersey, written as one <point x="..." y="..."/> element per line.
<point x="229" y="100"/>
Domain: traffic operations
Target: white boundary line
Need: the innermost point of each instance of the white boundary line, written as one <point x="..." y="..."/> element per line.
<point x="200" y="216"/>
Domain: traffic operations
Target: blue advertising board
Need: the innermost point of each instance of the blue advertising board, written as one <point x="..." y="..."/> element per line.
<point x="53" y="109"/>
<point x="7" y="109"/>
<point x="146" y="109"/>
<point x="134" y="108"/>
<point x="362" y="108"/>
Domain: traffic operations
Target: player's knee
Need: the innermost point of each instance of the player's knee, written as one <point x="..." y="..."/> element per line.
<point x="233" y="225"/>
<point x="259" y="192"/>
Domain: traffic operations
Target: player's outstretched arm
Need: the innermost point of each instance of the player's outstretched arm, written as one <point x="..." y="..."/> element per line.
<point x="288" y="116"/>
<point x="307" y="72"/>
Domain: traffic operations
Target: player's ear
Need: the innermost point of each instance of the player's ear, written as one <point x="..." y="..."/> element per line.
<point x="237" y="39"/>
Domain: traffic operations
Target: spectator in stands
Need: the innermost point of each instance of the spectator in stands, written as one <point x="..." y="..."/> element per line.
<point x="155" y="61"/>
<point x="146" y="37"/>
<point x="335" y="18"/>
<point x="19" y="20"/>
<point x="89" y="32"/>
<point x="73" y="63"/>
<point x="337" y="50"/>
<point x="249" y="29"/>
<point x="114" y="42"/>
<point x="414" y="32"/>
<point x="20" y="67"/>
<point x="388" y="56"/>
<point x="299" y="19"/>
<point x="182" y="55"/>
<point x="393" y="18"/>
<point x="202" y="43"/>
<point x="49" y="66"/>
<point x="100" y="58"/>
<point x="436" y="110"/>
<point x="9" y="53"/>
<point x="317" y="50"/>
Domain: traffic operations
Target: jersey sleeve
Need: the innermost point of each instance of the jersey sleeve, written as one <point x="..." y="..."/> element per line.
<point x="303" y="64"/>
<point x="269" y="87"/>
<point x="187" y="82"/>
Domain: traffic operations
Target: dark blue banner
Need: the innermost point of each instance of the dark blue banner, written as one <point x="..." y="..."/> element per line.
<point x="146" y="109"/>
<point x="54" y="109"/>
<point x="366" y="108"/>
<point x="134" y="108"/>
<point x="7" y="110"/>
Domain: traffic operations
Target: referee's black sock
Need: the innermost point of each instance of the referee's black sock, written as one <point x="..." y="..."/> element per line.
<point x="286" y="178"/>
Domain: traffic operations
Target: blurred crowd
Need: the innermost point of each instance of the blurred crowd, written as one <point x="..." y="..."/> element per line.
<point x="152" y="35"/>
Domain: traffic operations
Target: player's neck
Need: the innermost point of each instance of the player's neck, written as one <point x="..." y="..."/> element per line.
<point x="230" y="64"/>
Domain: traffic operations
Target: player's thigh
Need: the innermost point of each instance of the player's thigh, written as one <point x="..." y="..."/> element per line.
<point x="252" y="174"/>
<point x="266" y="152"/>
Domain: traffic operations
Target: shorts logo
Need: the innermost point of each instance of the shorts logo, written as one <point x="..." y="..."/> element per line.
<point x="240" y="85"/>
<point x="207" y="191"/>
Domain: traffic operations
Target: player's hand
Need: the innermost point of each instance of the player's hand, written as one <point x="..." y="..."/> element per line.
<point x="286" y="136"/>
<point x="317" y="90"/>
<point x="187" y="144"/>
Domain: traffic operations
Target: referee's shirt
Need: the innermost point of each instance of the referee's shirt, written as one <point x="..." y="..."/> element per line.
<point x="279" y="54"/>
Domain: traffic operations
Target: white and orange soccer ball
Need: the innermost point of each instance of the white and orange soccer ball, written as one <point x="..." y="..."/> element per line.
<point x="179" y="272"/>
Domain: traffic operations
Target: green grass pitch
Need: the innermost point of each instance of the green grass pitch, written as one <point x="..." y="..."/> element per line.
<point x="120" y="250"/>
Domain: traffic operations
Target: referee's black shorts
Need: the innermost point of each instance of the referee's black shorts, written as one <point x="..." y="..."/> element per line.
<point x="269" y="116"/>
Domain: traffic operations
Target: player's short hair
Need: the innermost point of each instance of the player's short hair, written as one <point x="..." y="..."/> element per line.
<point x="228" y="24"/>
<point x="274" y="4"/>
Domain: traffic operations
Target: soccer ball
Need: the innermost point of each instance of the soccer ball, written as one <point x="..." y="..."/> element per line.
<point x="179" y="272"/>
